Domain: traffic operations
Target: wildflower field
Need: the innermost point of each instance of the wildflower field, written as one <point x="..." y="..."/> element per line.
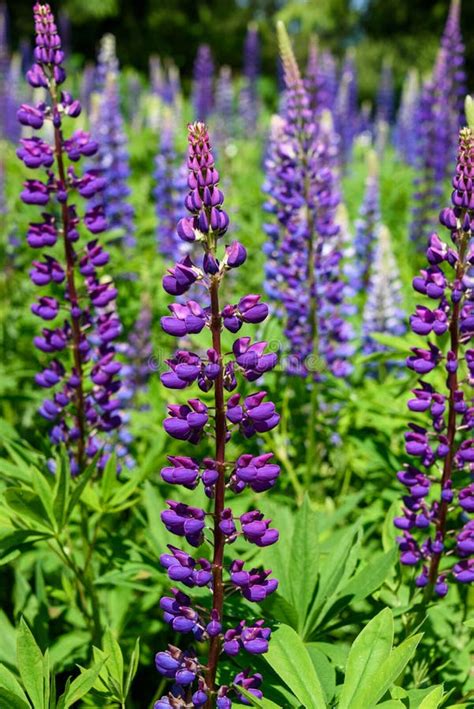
<point x="236" y="376"/>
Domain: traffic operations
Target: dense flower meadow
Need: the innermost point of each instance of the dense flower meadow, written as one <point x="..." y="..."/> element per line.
<point x="237" y="413"/>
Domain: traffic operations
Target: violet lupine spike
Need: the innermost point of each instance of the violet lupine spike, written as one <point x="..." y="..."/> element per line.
<point x="405" y="134"/>
<point x="249" y="100"/>
<point x="366" y="226"/>
<point x="438" y="120"/>
<point x="112" y="159"/>
<point x="304" y="259"/>
<point x="203" y="83"/>
<point x="385" y="95"/>
<point x="224" y="107"/>
<point x="171" y="181"/>
<point x="346" y="111"/>
<point x="82" y="371"/>
<point x="383" y="312"/>
<point x="320" y="78"/>
<point x="437" y="534"/>
<point x="194" y="677"/>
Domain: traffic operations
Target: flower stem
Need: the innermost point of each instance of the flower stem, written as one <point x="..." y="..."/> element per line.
<point x="72" y="290"/>
<point x="451" y="432"/>
<point x="220" y="423"/>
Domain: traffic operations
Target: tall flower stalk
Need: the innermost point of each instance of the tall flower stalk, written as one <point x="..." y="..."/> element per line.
<point x="249" y="100"/>
<point x="195" y="679"/>
<point x="437" y="530"/>
<point x="203" y="83"/>
<point x="83" y="371"/>
<point x="405" y="136"/>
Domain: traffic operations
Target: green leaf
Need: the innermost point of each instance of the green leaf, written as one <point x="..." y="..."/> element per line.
<point x="289" y="658"/>
<point x="324" y="669"/>
<point x="260" y="703"/>
<point x="79" y="487"/>
<point x="27" y="505"/>
<point x="371" y="647"/>
<point x="12" y="701"/>
<point x="109" y="479"/>
<point x="469" y="623"/>
<point x="386" y="673"/>
<point x="133" y="667"/>
<point x="305" y="558"/>
<point x="44" y="491"/>
<point x="370" y="577"/>
<point x="12" y="543"/>
<point x="81" y="685"/>
<point x="62" y="491"/>
<point x="434" y="699"/>
<point x="9" y="682"/>
<point x="30" y="665"/>
<point x="114" y="662"/>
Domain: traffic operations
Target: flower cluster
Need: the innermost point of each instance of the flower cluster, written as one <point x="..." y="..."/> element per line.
<point x="385" y="95"/>
<point x="405" y="132"/>
<point x="203" y="83"/>
<point x="437" y="530"/>
<point x="194" y="680"/>
<point x="249" y="103"/>
<point x="383" y="311"/>
<point x="225" y="118"/>
<point x="438" y="119"/>
<point x="320" y="79"/>
<point x="304" y="269"/>
<point x="365" y="228"/>
<point x="112" y="157"/>
<point x="79" y="303"/>
<point x="346" y="111"/>
<point x="170" y="179"/>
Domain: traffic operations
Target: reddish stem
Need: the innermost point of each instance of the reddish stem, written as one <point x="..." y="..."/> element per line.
<point x="221" y="430"/>
<point x="451" y="432"/>
<point x="71" y="289"/>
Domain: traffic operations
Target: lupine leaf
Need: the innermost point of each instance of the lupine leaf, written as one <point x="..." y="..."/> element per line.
<point x="133" y="667"/>
<point x="371" y="648"/>
<point x="11" y="700"/>
<point x="386" y="673"/>
<point x="305" y="561"/>
<point x="9" y="682"/>
<point x="27" y="504"/>
<point x="289" y="658"/>
<point x="260" y="703"/>
<point x="45" y="492"/>
<point x="30" y="665"/>
<point x="114" y="662"/>
<point x="81" y="685"/>
<point x="433" y="699"/>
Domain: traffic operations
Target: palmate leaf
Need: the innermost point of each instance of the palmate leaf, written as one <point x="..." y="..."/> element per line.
<point x="368" y="651"/>
<point x="31" y="666"/>
<point x="289" y="658"/>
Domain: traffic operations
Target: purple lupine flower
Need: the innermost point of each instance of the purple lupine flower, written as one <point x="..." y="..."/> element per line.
<point x="405" y="133"/>
<point x="365" y="228"/>
<point x="385" y="95"/>
<point x="437" y="531"/>
<point x="203" y="83"/>
<point x="304" y="269"/>
<point x="383" y="311"/>
<point x="249" y="100"/>
<point x="170" y="178"/>
<point x="224" y="107"/>
<point x="82" y="401"/>
<point x="320" y="79"/>
<point x="438" y="119"/>
<point x="112" y="158"/>
<point x="346" y="111"/>
<point x="195" y="677"/>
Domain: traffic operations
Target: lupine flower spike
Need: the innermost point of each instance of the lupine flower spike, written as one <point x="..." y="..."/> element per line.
<point x="78" y="302"/>
<point x="203" y="83"/>
<point x="383" y="312"/>
<point x="195" y="676"/>
<point x="436" y="525"/>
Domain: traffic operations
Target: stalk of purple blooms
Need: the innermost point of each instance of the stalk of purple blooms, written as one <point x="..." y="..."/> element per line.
<point x="437" y="529"/>
<point x="304" y="269"/>
<point x="203" y="83"/>
<point x="194" y="680"/>
<point x="83" y="404"/>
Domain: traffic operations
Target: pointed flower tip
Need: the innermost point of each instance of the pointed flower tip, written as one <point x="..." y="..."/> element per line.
<point x="290" y="66"/>
<point x="469" y="111"/>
